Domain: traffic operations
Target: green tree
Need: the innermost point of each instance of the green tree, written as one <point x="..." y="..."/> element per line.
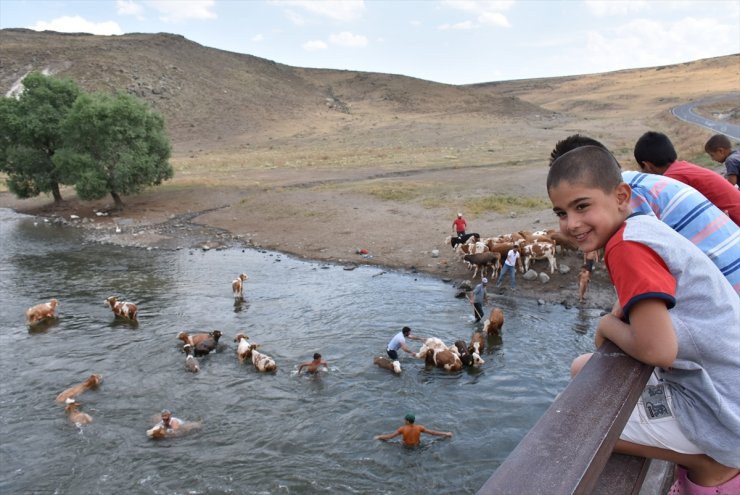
<point x="115" y="144"/>
<point x="30" y="134"/>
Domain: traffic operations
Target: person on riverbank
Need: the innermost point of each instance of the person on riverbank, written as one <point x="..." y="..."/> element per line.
<point x="679" y="206"/>
<point x="412" y="432"/>
<point x="584" y="277"/>
<point x="655" y="154"/>
<point x="478" y="298"/>
<point x="590" y="259"/>
<point x="719" y="148"/>
<point x="315" y="365"/>
<point x="689" y="412"/>
<point x="399" y="342"/>
<point x="459" y="225"/>
<point x="512" y="259"/>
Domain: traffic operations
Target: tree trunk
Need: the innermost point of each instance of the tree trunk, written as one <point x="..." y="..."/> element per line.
<point x="56" y="193"/>
<point x="117" y="200"/>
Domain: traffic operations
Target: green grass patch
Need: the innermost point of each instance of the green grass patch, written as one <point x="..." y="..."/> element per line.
<point x="504" y="204"/>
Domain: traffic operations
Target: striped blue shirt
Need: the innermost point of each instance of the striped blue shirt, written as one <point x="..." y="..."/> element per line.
<point x="692" y="215"/>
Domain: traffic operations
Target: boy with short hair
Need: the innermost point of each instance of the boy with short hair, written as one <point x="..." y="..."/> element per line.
<point x="719" y="148"/>
<point x="695" y="347"/>
<point x="412" y="433"/>
<point x="313" y="366"/>
<point x="679" y="206"/>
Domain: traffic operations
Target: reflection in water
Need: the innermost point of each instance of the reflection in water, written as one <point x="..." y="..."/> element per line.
<point x="262" y="433"/>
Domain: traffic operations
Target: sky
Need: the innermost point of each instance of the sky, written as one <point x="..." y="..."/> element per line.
<point x="447" y="41"/>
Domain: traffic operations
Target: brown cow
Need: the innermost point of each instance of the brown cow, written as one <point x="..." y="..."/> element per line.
<point x="495" y="321"/>
<point x="40" y="312"/>
<point x="121" y="309"/>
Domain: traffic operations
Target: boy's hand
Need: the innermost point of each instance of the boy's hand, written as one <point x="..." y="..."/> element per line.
<point x="617" y="310"/>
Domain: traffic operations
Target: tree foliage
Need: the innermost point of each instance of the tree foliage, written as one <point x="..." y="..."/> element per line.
<point x="30" y="134"/>
<point x="114" y="145"/>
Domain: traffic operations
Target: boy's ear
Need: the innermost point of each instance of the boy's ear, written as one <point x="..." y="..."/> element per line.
<point x="623" y="194"/>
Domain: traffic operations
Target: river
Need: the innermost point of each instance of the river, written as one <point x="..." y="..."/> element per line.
<point x="278" y="433"/>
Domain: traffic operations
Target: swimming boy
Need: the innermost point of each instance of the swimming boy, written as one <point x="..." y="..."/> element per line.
<point x="695" y="347"/>
<point x="412" y="433"/>
<point x="313" y="366"/>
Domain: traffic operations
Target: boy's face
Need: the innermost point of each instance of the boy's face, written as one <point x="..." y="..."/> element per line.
<point x="588" y="214"/>
<point x="719" y="155"/>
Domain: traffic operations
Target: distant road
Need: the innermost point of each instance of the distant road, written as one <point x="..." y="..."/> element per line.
<point x="686" y="113"/>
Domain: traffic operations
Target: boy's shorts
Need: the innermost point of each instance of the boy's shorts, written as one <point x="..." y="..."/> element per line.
<point x="653" y="421"/>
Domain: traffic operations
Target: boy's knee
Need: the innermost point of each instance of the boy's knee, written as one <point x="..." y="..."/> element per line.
<point x="578" y="363"/>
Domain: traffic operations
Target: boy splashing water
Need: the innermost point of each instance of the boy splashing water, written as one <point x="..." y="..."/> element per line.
<point x="675" y="311"/>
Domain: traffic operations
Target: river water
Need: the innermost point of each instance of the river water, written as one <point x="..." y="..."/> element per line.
<point x="278" y="433"/>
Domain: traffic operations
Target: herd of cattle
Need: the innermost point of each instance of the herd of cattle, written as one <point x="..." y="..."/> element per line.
<point x="434" y="352"/>
<point x="484" y="255"/>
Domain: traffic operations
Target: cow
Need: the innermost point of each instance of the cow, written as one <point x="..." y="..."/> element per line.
<point x="41" y="312"/>
<point x="477" y="342"/>
<point x="208" y="344"/>
<point x="121" y="309"/>
<point x="483" y="261"/>
<point x="468" y="357"/>
<point x="539" y="251"/>
<point x="243" y="348"/>
<point x="463" y="239"/>
<point x="92" y="382"/>
<point x="79" y="418"/>
<point x="387" y="364"/>
<point x="191" y="364"/>
<point x="563" y="240"/>
<point x="447" y="360"/>
<point x="237" y="286"/>
<point x="195" y="339"/>
<point x="262" y="362"/>
<point x="495" y="322"/>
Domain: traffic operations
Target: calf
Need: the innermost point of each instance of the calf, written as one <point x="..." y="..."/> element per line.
<point x="477" y="341"/>
<point x="191" y="364"/>
<point x="92" y="382"/>
<point x="483" y="261"/>
<point x="237" y="285"/>
<point x="468" y="357"/>
<point x="244" y="348"/>
<point x="432" y="343"/>
<point x="495" y="322"/>
<point x="193" y="340"/>
<point x="463" y="239"/>
<point x="262" y="362"/>
<point x="386" y="363"/>
<point x="79" y="418"/>
<point x="208" y="344"/>
<point x="42" y="311"/>
<point x="126" y="310"/>
<point x="447" y="360"/>
<point x="539" y="251"/>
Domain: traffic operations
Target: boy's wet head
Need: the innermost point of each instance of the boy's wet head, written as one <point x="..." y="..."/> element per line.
<point x="591" y="166"/>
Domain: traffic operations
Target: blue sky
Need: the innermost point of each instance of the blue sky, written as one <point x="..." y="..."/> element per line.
<point x="454" y="42"/>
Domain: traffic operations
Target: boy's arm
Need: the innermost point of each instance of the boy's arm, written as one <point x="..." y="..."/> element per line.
<point x="649" y="337"/>
<point x="388" y="436"/>
<point x="436" y="433"/>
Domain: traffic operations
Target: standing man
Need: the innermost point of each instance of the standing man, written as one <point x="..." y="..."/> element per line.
<point x="412" y="433"/>
<point x="478" y="298"/>
<point x="399" y="342"/>
<point x="512" y="258"/>
<point x="459" y="225"/>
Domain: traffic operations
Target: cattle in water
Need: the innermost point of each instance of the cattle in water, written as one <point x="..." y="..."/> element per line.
<point x="237" y="286"/>
<point x="41" y="312"/>
<point x="92" y="382"/>
<point x="387" y="364"/>
<point x="494" y="323"/>
<point x="122" y="309"/>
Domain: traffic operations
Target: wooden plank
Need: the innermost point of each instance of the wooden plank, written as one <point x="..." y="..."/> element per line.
<point x="566" y="450"/>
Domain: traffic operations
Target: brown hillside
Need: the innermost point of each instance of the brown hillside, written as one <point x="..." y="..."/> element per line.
<point x="319" y="163"/>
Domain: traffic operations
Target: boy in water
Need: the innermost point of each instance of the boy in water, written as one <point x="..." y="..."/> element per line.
<point x="412" y="433"/>
<point x="313" y="366"/>
<point x="675" y="311"/>
<point x="584" y="277"/>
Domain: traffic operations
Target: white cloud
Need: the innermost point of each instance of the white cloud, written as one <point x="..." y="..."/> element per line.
<point x="182" y="10"/>
<point x="459" y="25"/>
<point x="488" y="13"/>
<point x="602" y="8"/>
<point x="77" y="24"/>
<point x="129" y="7"/>
<point x="348" y="39"/>
<point x="258" y="38"/>
<point x="312" y="46"/>
<point x="340" y="10"/>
